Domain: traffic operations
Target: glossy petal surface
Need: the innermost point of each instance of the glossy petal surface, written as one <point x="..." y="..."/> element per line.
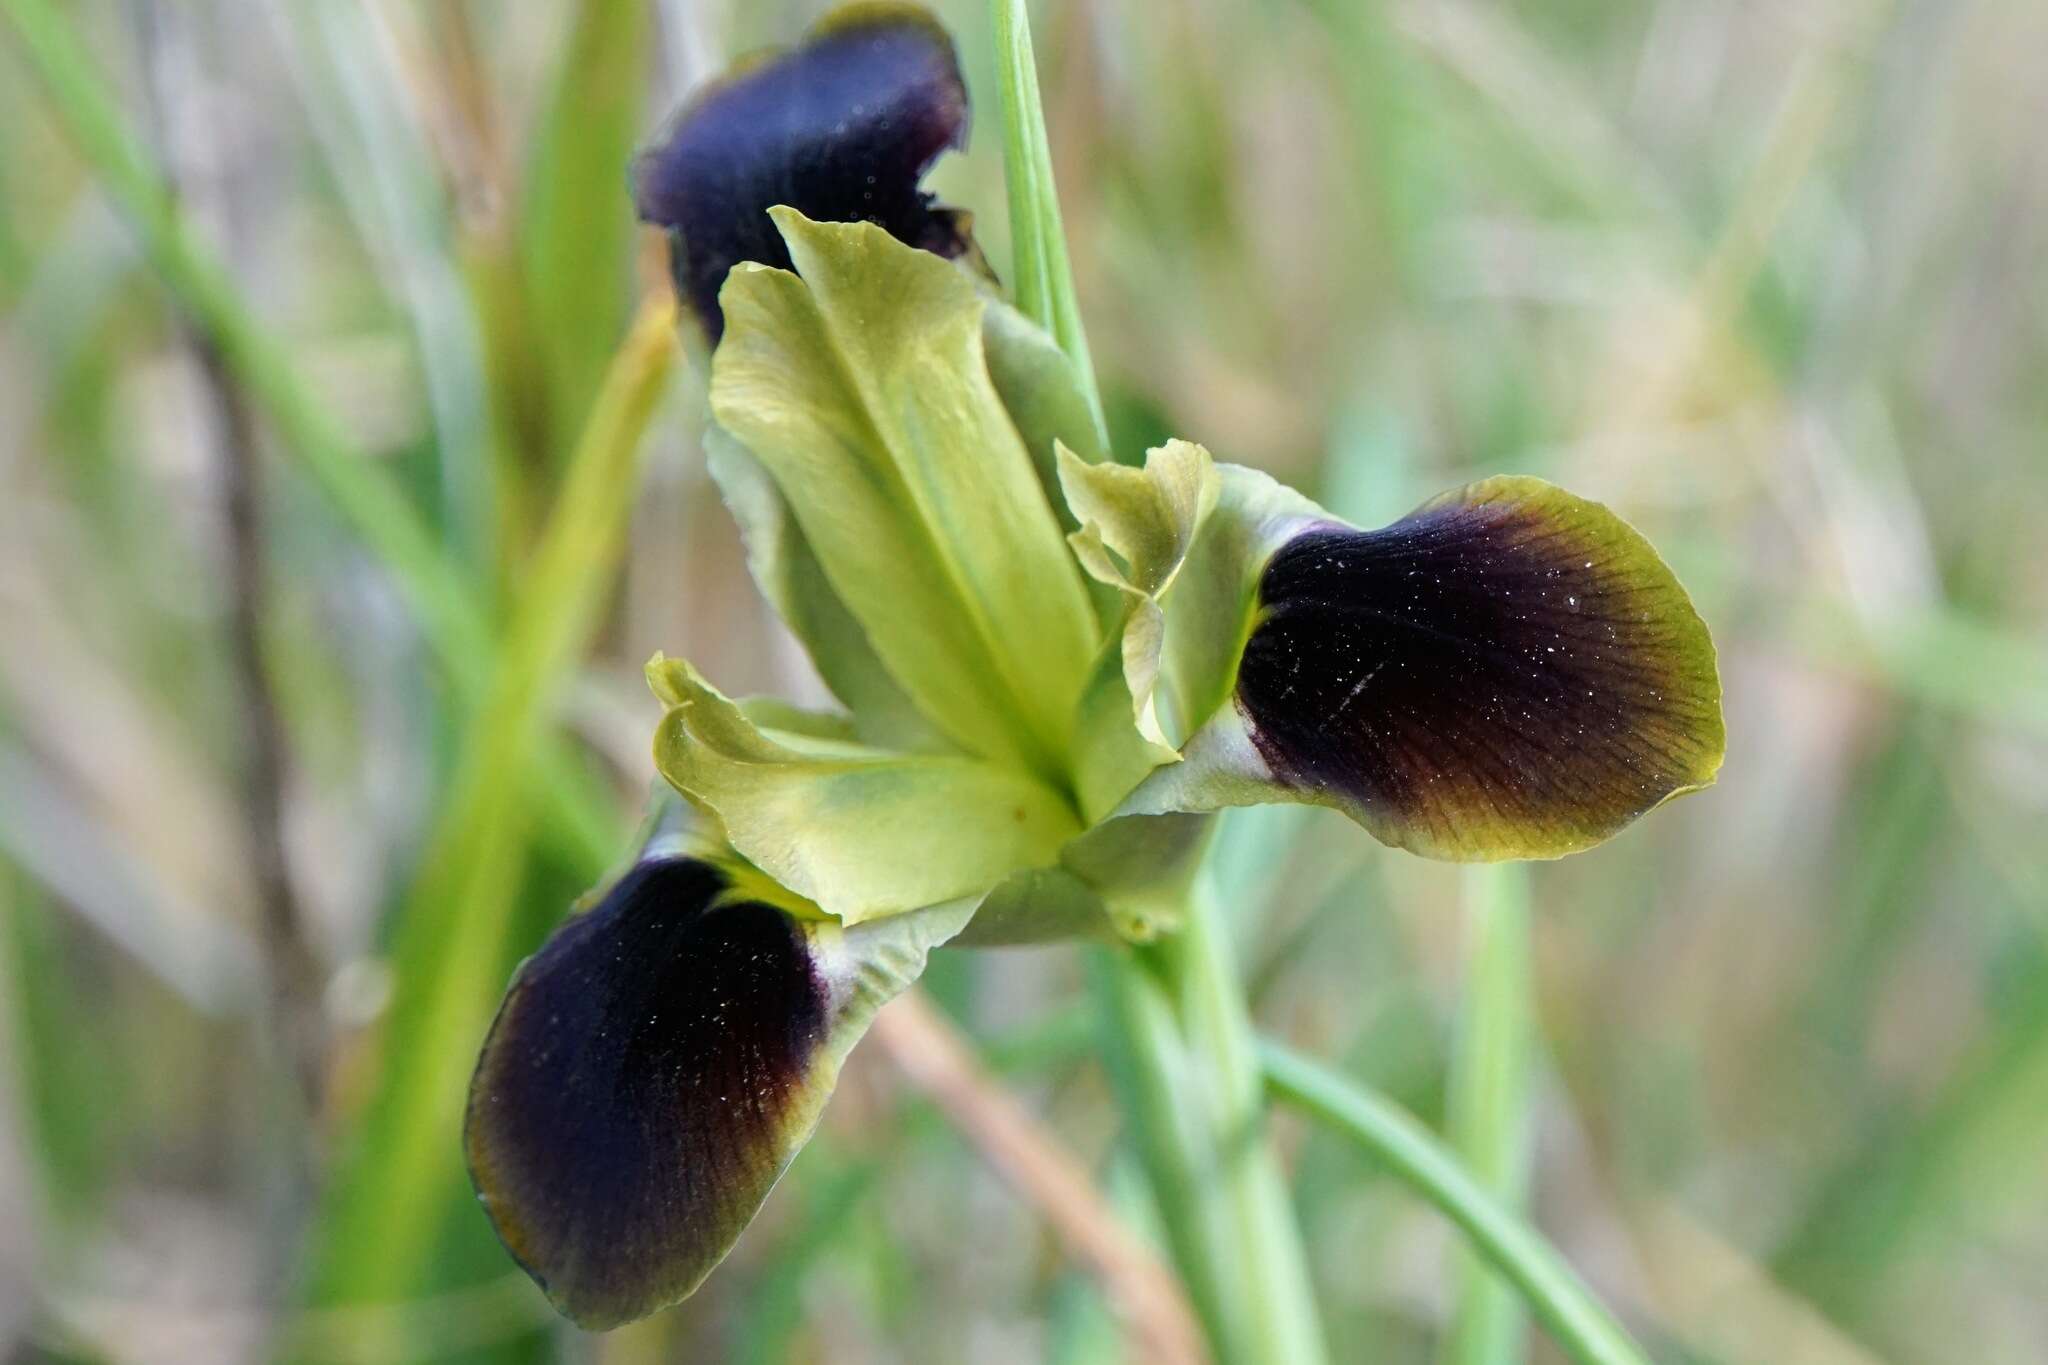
<point x="1510" y="672"/>
<point x="656" y="1066"/>
<point x="841" y="127"/>
<point x="632" y="1104"/>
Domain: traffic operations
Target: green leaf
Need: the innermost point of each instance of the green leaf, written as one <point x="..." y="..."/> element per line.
<point x="379" y="158"/>
<point x="456" y="937"/>
<point x="1575" y="1319"/>
<point x="364" y="494"/>
<point x="862" y="388"/>
<point x="1488" y="1115"/>
<point x="1044" y="283"/>
<point x="861" y="832"/>
<point x="575" y="239"/>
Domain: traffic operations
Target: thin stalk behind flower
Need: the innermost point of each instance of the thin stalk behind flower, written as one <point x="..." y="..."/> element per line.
<point x="374" y="1237"/>
<point x="939" y="1061"/>
<point x="1147" y="1061"/>
<point x="1044" y="283"/>
<point x="1489" y="1098"/>
<point x="1575" y="1319"/>
<point x="1218" y="1183"/>
<point x="1266" y="1269"/>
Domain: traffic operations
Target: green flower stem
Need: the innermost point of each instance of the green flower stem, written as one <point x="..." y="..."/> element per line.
<point x="1200" y="964"/>
<point x="1489" y="1099"/>
<point x="1043" y="286"/>
<point x="1176" y="1014"/>
<point x="1150" y="1065"/>
<point x="1192" y="1085"/>
<point x="454" y="942"/>
<point x="1589" y="1334"/>
<point x="446" y="604"/>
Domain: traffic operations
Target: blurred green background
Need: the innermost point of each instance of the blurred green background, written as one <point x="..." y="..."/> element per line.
<point x="321" y="625"/>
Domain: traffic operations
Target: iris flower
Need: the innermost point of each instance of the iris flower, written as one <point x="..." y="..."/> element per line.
<point x="1053" y="668"/>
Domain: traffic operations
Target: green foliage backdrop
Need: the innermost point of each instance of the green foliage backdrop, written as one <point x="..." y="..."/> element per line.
<point x="347" y="479"/>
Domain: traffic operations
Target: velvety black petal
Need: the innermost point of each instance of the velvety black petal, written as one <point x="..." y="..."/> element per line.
<point x="840" y="128"/>
<point x="1510" y="672"/>
<point x="647" y="1078"/>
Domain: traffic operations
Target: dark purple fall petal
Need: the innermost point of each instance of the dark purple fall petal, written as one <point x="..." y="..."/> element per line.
<point x="1510" y="672"/>
<point x="841" y="128"/>
<point x="635" y="1098"/>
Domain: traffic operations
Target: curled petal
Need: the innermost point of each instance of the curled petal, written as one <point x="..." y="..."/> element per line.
<point x="842" y="127"/>
<point x="1137" y="528"/>
<point x="862" y="832"/>
<point x="1510" y="672"/>
<point x="655" y="1067"/>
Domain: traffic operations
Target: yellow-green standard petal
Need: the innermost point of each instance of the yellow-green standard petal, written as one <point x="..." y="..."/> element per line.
<point x="863" y="388"/>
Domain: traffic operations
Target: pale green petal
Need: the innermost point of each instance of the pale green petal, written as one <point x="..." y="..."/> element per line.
<point x="1149" y="517"/>
<point x="802" y="723"/>
<point x="1045" y="397"/>
<point x="1040" y="905"/>
<point x="1112" y="753"/>
<point x="790" y="577"/>
<point x="1048" y="406"/>
<point x="860" y="831"/>
<point x="1136" y="529"/>
<point x="1209" y="612"/>
<point x="1182" y="540"/>
<point x="1126" y="878"/>
<point x="863" y="389"/>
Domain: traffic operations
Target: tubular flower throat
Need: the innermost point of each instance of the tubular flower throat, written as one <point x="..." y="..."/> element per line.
<point x="1052" y="667"/>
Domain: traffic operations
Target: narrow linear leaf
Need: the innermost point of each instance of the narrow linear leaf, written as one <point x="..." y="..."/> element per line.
<point x="369" y="499"/>
<point x="1044" y="280"/>
<point x="1489" y="1099"/>
<point x="453" y="950"/>
<point x="574" y="243"/>
<point x="370" y="134"/>
<point x="1588" y="1333"/>
<point x="363" y="492"/>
